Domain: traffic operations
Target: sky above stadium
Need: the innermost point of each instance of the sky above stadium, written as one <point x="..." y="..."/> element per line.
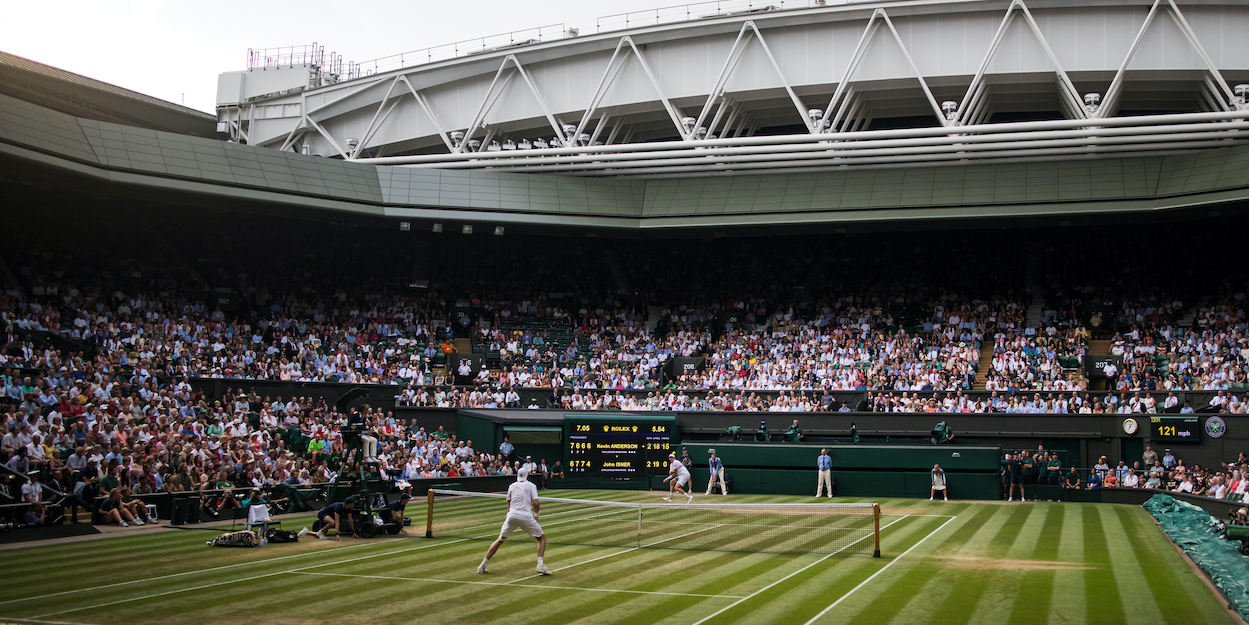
<point x="174" y="49"/>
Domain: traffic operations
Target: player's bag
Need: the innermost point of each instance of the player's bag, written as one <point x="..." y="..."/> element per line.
<point x="242" y="538"/>
<point x="282" y="536"/>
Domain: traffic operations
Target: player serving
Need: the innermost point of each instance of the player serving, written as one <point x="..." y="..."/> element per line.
<point x="678" y="478"/>
<point x="522" y="514"/>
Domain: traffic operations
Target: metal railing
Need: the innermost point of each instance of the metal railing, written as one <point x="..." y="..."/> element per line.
<point x="458" y="49"/>
<point x="706" y="10"/>
<point x="288" y="56"/>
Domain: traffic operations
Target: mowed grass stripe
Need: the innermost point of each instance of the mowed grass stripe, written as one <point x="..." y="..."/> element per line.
<point x="173" y="587"/>
<point x="766" y="572"/>
<point x="664" y="572"/>
<point x="280" y="591"/>
<point x="1103" y="604"/>
<point x="1036" y="588"/>
<point x="1174" y="603"/>
<point x="811" y="598"/>
<point x="1140" y="605"/>
<point x="885" y="600"/>
<point x="467" y="602"/>
<point x="1068" y="603"/>
<point x="960" y="590"/>
<point x="910" y="531"/>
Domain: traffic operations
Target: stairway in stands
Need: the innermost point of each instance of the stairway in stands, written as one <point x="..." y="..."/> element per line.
<point x="1034" y="281"/>
<point x="1100" y="347"/>
<point x="617" y="270"/>
<point x="652" y="318"/>
<point x="986" y="365"/>
<point x="463" y="345"/>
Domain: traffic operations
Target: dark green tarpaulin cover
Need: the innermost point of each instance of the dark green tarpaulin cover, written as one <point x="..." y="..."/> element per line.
<point x="1197" y="533"/>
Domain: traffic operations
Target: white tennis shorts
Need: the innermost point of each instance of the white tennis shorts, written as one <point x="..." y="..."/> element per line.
<point x="524" y="522"/>
<point x="683" y="480"/>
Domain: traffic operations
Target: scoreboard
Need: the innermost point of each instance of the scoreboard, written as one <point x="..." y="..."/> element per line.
<point x="618" y="447"/>
<point x="1186" y="429"/>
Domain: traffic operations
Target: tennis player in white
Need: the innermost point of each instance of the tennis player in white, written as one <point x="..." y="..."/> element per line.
<point x="522" y="514"/>
<point x="678" y="477"/>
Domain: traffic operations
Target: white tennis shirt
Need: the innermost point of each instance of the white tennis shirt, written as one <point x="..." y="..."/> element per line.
<point x="521" y="496"/>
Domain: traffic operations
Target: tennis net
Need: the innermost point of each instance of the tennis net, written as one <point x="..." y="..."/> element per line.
<point x="754" y="528"/>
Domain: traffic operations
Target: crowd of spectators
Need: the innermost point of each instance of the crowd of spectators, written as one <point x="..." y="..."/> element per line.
<point x="1167" y="472"/>
<point x="849" y="318"/>
<point x="1209" y="353"/>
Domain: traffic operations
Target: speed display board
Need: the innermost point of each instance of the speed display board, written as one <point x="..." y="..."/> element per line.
<point x="1176" y="429"/>
<point x="618" y="447"/>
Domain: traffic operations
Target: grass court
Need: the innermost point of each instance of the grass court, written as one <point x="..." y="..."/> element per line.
<point x="943" y="564"/>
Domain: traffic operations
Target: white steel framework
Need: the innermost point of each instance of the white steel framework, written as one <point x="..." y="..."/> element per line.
<point x="886" y="104"/>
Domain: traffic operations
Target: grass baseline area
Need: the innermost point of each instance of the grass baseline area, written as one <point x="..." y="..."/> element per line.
<point x="943" y="563"/>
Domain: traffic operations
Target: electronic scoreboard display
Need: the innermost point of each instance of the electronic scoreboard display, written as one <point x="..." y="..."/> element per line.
<point x="618" y="447"/>
<point x="1186" y="429"/>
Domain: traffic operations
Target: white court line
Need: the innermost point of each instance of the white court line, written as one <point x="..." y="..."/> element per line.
<point x="198" y="572"/>
<point x="39" y="622"/>
<point x="873" y="576"/>
<point x="756" y="593"/>
<point x="244" y="579"/>
<point x="622" y="552"/>
<point x="515" y="585"/>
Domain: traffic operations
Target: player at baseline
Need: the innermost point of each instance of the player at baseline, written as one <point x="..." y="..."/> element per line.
<point x="678" y="478"/>
<point x="522" y="514"/>
<point x="717" y="473"/>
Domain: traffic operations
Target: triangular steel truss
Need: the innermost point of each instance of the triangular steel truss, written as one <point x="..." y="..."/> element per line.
<point x="1214" y="82"/>
<point x="717" y="98"/>
<point x="972" y="109"/>
<point x="843" y="106"/>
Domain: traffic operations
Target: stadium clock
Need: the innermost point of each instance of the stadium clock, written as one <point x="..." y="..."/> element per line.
<point x="619" y="447"/>
<point x="1185" y="429"/>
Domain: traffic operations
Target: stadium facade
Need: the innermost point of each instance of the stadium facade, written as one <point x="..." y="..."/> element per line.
<point x="792" y="115"/>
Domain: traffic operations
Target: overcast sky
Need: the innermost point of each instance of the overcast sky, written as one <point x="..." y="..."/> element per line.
<point x="174" y="49"/>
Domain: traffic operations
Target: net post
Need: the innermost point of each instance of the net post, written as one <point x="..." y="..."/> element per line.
<point x="639" y="543"/>
<point x="429" y="514"/>
<point x="875" y="527"/>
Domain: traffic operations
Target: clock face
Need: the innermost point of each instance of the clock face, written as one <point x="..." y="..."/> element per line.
<point x="1129" y="426"/>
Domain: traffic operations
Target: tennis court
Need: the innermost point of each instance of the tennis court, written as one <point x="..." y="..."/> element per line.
<point x="942" y="563"/>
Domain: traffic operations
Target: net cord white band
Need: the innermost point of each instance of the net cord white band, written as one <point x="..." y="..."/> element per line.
<point x="623" y="504"/>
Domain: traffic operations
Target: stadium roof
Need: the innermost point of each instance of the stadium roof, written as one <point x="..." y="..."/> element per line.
<point x="88" y="98"/>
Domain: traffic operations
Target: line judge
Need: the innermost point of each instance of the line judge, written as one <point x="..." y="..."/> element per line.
<point x="824" y="463"/>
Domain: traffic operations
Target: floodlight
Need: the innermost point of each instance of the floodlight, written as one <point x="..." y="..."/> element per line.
<point x="509" y="145"/>
<point x="815" y="114"/>
<point x="466" y="229"/>
<point x="540" y="144"/>
<point x="405" y="226"/>
<point x="456" y="137"/>
<point x="494" y="147"/>
<point x="523" y="145"/>
<point x="688" y="124"/>
<point x="437" y="228"/>
<point x="583" y="139"/>
<point x="950" y="108"/>
<point x="1242" y="93"/>
<point x="498" y="231"/>
<point x="473" y="144"/>
<point x="352" y="142"/>
<point x="1091" y="102"/>
<point x="570" y="129"/>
